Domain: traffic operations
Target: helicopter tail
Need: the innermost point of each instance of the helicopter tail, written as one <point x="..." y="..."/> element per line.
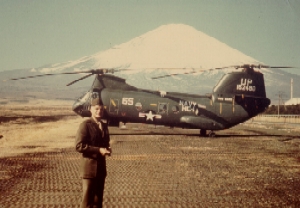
<point x="246" y="88"/>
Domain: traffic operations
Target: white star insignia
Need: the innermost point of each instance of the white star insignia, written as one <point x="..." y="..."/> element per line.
<point x="149" y="116"/>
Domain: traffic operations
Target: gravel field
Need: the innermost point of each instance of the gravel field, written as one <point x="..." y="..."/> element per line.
<point x="246" y="166"/>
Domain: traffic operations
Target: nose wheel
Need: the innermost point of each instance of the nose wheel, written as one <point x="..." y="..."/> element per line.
<point x="203" y="133"/>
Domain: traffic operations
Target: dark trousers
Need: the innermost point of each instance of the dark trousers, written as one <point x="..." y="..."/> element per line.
<point x="93" y="189"/>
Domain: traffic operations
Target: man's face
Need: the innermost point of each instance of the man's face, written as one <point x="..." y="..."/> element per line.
<point x="97" y="111"/>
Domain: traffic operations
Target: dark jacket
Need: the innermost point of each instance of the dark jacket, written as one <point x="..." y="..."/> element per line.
<point x="89" y="139"/>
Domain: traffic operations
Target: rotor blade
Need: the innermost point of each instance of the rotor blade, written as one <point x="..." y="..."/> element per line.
<point x="84" y="77"/>
<point x="92" y="71"/>
<point x="259" y="66"/>
<point x="200" y="70"/>
<point x="105" y="70"/>
<point x="41" y="75"/>
<point x="169" y="75"/>
<point x="192" y="72"/>
<point x="275" y="67"/>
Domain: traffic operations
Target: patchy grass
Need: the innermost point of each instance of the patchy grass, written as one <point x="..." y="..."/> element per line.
<point x="26" y="137"/>
<point x="36" y="127"/>
<point x="35" y="111"/>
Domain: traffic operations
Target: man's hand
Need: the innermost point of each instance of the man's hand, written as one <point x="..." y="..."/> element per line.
<point x="104" y="151"/>
<point x="110" y="151"/>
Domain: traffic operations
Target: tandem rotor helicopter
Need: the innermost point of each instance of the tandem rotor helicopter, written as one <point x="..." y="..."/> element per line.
<point x="237" y="97"/>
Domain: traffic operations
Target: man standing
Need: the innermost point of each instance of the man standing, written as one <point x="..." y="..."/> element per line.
<point x="92" y="141"/>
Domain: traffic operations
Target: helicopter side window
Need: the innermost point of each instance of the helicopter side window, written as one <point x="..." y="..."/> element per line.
<point x="175" y="109"/>
<point x="162" y="108"/>
<point x="114" y="106"/>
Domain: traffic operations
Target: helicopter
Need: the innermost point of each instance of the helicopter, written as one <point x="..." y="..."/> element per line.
<point x="236" y="97"/>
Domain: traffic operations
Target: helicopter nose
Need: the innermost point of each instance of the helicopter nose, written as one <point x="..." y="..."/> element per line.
<point x="80" y="109"/>
<point x="76" y="106"/>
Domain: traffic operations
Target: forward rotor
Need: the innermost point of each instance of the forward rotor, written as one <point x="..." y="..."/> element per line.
<point x="89" y="72"/>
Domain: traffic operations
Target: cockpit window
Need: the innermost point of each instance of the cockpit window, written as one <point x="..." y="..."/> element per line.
<point x="84" y="97"/>
<point x="95" y="95"/>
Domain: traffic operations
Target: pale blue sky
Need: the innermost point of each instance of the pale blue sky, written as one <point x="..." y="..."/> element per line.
<point x="34" y="33"/>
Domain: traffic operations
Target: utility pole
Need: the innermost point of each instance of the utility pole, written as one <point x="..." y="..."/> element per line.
<point x="292" y="82"/>
<point x="280" y="94"/>
<point x="278" y="104"/>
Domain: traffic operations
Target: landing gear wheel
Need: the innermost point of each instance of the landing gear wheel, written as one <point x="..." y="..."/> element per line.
<point x="203" y="133"/>
<point x="211" y="134"/>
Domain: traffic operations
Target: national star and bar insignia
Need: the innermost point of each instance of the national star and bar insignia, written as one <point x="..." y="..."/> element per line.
<point x="149" y="115"/>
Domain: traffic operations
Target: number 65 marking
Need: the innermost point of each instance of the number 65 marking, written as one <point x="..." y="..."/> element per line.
<point x="127" y="101"/>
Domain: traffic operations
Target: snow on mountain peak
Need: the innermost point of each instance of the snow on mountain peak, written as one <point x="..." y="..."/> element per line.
<point x="171" y="46"/>
<point x="168" y="46"/>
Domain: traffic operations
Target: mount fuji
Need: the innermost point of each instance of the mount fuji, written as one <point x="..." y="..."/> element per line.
<point x="175" y="46"/>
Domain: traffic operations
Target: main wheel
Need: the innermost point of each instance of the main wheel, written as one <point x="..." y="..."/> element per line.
<point x="202" y="132"/>
<point x="211" y="134"/>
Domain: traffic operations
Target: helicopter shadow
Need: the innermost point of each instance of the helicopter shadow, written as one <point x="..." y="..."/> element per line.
<point x="217" y="136"/>
<point x="281" y="137"/>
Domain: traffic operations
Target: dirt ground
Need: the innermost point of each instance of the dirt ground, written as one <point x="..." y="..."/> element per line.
<point x="246" y="166"/>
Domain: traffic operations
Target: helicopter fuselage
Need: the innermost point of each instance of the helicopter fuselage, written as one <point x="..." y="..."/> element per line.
<point x="237" y="97"/>
<point x="172" y="109"/>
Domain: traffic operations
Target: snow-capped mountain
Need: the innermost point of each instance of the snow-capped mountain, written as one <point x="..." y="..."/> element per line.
<point x="176" y="46"/>
<point x="169" y="46"/>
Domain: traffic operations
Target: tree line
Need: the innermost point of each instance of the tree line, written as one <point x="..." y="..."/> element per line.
<point x="283" y="109"/>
